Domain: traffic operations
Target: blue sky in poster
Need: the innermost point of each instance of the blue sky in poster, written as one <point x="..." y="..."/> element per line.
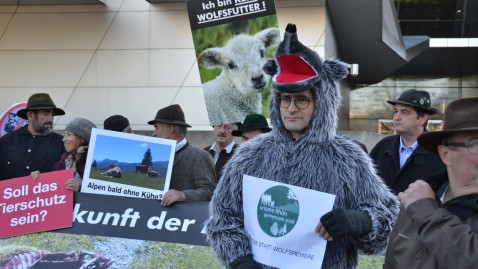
<point x="128" y="150"/>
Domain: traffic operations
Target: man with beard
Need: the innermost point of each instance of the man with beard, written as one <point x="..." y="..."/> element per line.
<point x="34" y="147"/>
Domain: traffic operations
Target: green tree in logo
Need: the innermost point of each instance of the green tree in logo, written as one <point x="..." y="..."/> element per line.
<point x="278" y="211"/>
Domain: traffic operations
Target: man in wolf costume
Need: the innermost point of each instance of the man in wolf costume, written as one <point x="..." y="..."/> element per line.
<point x="318" y="159"/>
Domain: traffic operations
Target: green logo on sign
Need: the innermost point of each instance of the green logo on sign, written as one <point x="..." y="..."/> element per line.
<point x="278" y="211"/>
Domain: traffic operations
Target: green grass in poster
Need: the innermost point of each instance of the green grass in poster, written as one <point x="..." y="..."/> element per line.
<point x="132" y="179"/>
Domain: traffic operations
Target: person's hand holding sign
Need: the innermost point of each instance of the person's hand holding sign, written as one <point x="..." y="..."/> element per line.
<point x="342" y="223"/>
<point x="172" y="196"/>
<point x="71" y="184"/>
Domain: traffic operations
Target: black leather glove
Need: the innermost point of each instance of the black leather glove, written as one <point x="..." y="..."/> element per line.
<point x="343" y="223"/>
<point x="245" y="262"/>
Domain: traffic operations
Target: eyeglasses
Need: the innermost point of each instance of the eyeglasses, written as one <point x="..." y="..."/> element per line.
<point x="472" y="146"/>
<point x="301" y="102"/>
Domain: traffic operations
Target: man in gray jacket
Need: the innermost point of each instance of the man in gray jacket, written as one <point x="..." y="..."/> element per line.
<point x="303" y="149"/>
<point x="193" y="177"/>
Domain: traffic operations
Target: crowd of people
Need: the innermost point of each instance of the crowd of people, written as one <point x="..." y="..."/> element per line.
<point x="414" y="196"/>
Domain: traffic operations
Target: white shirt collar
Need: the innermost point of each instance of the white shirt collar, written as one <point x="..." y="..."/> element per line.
<point x="228" y="148"/>
<point x="181" y="144"/>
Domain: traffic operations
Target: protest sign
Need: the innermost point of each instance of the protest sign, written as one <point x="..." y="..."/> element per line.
<point x="207" y="13"/>
<point x="126" y="164"/>
<point x="135" y="218"/>
<point x="117" y="232"/>
<point x="28" y="206"/>
<point x="233" y="40"/>
<point x="281" y="221"/>
<point x="9" y="121"/>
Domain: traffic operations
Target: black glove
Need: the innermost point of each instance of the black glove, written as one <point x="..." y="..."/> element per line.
<point x="343" y="223"/>
<point x="244" y="262"/>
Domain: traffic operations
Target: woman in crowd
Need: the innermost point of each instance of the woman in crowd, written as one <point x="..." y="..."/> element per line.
<point x="76" y="139"/>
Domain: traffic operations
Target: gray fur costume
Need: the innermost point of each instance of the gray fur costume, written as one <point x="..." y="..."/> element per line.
<point x="320" y="159"/>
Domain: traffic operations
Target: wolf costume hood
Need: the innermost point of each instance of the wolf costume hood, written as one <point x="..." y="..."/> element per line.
<point x="319" y="160"/>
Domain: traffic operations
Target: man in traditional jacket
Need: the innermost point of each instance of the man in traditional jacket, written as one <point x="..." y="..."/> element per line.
<point x="193" y="177"/>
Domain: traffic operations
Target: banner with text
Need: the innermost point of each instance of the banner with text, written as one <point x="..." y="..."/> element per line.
<point x="233" y="39"/>
<point x="281" y="221"/>
<point x="136" y="218"/>
<point x="117" y="232"/>
<point x="215" y="12"/>
<point x="28" y="206"/>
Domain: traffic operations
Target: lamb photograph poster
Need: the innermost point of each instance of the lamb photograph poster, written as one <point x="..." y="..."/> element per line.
<point x="130" y="165"/>
<point x="233" y="40"/>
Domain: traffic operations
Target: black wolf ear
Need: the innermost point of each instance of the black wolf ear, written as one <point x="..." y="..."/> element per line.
<point x="270" y="68"/>
<point x="335" y="69"/>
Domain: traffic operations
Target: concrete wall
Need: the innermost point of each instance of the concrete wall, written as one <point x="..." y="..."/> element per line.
<point x="125" y="57"/>
<point x="204" y="138"/>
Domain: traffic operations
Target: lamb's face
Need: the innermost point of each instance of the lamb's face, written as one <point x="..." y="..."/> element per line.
<point x="242" y="60"/>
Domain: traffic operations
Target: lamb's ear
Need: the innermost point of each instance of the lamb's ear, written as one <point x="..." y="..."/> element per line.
<point x="270" y="68"/>
<point x="211" y="58"/>
<point x="269" y="37"/>
<point x="335" y="70"/>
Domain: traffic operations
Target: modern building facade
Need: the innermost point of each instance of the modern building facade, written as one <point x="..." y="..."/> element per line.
<point x="131" y="57"/>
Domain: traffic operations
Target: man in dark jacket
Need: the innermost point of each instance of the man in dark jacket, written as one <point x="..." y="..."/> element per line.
<point x="33" y="147"/>
<point x="399" y="158"/>
<point x="224" y="146"/>
<point x="438" y="223"/>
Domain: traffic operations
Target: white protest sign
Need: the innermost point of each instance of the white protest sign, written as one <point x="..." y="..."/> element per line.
<point x="145" y="164"/>
<point x="281" y="221"/>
